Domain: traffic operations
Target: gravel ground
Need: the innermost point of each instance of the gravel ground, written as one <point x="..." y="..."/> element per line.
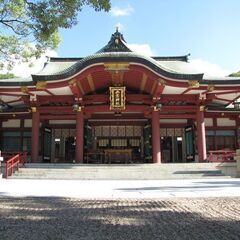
<point x="63" y="218"/>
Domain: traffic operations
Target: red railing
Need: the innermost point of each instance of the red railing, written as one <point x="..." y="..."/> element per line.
<point x="13" y="163"/>
<point x="221" y="156"/>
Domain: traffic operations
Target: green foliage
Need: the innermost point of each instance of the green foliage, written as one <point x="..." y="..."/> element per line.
<point x="27" y="28"/>
<point x="237" y="74"/>
<point x="7" y="76"/>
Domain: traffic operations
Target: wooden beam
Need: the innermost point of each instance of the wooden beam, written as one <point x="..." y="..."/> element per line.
<point x="143" y="82"/>
<point x="177" y="116"/>
<point x="49" y="92"/>
<point x="91" y="83"/>
<point x="153" y="87"/>
<point x="58" y="117"/>
<point x="80" y="87"/>
<point x="223" y="93"/>
<point x="14" y="101"/>
<point x="236" y="98"/>
<point x="185" y="91"/>
<point x="159" y="88"/>
<point x="12" y="94"/>
<point x="56" y="109"/>
<point x="90" y="99"/>
<point x="190" y="98"/>
<point x="74" y="88"/>
<point x="43" y="100"/>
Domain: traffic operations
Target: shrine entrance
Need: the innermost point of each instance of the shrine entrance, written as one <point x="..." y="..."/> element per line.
<point x="114" y="144"/>
<point x="118" y="144"/>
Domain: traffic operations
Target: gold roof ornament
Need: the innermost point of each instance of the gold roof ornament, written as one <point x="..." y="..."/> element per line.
<point x="24" y="89"/>
<point x="161" y="82"/>
<point x="41" y="85"/>
<point x="193" y="84"/>
<point x="33" y="109"/>
<point x="73" y="82"/>
<point x="210" y="87"/>
<point x="202" y="108"/>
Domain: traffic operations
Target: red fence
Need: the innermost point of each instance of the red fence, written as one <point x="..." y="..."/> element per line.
<point x="221" y="156"/>
<point x="14" y="161"/>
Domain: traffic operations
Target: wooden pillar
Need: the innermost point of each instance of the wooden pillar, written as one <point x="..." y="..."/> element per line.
<point x="21" y="134"/>
<point x="1" y="137"/>
<point x="215" y="136"/>
<point x="156" y="149"/>
<point x="201" y="139"/>
<point x="237" y="133"/>
<point x="79" y="137"/>
<point x="35" y="134"/>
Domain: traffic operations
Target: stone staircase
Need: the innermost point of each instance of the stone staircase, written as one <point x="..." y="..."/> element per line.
<point x="119" y="172"/>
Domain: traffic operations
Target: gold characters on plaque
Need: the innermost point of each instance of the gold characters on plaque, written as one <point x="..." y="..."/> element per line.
<point x="117" y="98"/>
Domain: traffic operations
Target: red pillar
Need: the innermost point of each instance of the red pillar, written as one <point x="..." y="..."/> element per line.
<point x="156" y="150"/>
<point x="201" y="139"/>
<point x="79" y="137"/>
<point x="237" y="133"/>
<point x="35" y="135"/>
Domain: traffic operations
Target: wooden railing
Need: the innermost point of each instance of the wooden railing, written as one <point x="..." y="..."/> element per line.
<point x="13" y="163"/>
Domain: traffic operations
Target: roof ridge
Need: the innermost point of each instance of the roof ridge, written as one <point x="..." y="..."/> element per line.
<point x="183" y="58"/>
<point x="117" y="43"/>
<point x="62" y="59"/>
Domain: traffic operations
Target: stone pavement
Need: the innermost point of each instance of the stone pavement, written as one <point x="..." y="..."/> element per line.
<point x="123" y="189"/>
<point x="197" y="209"/>
<point x="76" y="219"/>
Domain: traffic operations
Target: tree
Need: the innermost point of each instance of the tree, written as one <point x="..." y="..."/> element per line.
<point x="6" y="76"/>
<point x="236" y="74"/>
<point x="28" y="27"/>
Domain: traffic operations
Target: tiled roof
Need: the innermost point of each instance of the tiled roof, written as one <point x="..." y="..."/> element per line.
<point x="60" y="70"/>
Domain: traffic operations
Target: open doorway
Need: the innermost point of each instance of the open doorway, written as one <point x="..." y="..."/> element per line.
<point x="172" y="149"/>
<point x="166" y="148"/>
<point x="70" y="143"/>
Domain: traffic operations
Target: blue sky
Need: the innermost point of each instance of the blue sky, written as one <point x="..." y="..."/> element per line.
<point x="208" y="29"/>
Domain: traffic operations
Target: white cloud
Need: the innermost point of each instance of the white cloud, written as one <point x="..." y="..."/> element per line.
<point x="120" y="12"/>
<point x="24" y="70"/>
<point x="143" y="49"/>
<point x="209" y="69"/>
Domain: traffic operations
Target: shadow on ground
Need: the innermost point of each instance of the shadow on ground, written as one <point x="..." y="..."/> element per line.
<point x="199" y="186"/>
<point x="204" y="173"/>
<point x="62" y="218"/>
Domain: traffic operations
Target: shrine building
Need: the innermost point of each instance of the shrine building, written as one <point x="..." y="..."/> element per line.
<point x="118" y="106"/>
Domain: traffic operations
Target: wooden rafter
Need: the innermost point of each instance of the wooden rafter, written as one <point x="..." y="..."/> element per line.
<point x="186" y="91"/>
<point x="143" y="82"/>
<point x="49" y="92"/>
<point x="224" y="93"/>
<point x="12" y="94"/>
<point x="236" y="98"/>
<point x="74" y="88"/>
<point x="14" y="101"/>
<point x="91" y="82"/>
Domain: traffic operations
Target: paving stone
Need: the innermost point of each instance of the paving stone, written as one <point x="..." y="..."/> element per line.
<point x="70" y="219"/>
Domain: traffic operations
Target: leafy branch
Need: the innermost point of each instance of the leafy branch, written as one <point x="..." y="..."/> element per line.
<point x="30" y="27"/>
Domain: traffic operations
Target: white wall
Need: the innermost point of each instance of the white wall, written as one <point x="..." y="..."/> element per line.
<point x="28" y="123"/>
<point x="208" y="122"/>
<point x="223" y="122"/>
<point x="13" y="123"/>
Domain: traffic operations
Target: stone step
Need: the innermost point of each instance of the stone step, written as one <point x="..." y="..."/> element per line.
<point x="76" y="166"/>
<point x="117" y="177"/>
<point x="118" y="172"/>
